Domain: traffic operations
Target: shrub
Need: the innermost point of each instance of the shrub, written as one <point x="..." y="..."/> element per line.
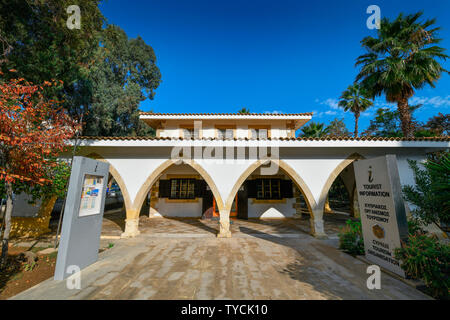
<point x="431" y="193"/>
<point x="351" y="239"/>
<point x="415" y="227"/>
<point x="425" y="258"/>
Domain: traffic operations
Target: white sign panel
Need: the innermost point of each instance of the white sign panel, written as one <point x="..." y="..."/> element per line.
<point x="91" y="195"/>
<point x="382" y="210"/>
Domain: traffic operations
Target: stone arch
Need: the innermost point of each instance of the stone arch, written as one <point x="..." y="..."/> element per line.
<point x="293" y="175"/>
<point x="334" y="174"/>
<point x="116" y="175"/>
<point x="153" y="177"/>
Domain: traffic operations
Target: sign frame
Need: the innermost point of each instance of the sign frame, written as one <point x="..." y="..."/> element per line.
<point x="382" y="175"/>
<point x="80" y="235"/>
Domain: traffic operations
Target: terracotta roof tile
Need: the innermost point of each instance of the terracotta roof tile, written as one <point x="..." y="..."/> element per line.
<point x="328" y="138"/>
<point x="226" y="114"/>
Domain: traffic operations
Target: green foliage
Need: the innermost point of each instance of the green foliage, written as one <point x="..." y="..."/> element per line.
<point x="400" y="60"/>
<point x="338" y="191"/>
<point x="415" y="226"/>
<point x="356" y="100"/>
<point x="439" y="171"/>
<point x="105" y="75"/>
<point x="59" y="177"/>
<point x="313" y="130"/>
<point x="439" y="125"/>
<point x="29" y="266"/>
<point x="351" y="239"/>
<point x="337" y="128"/>
<point x="426" y="258"/>
<point x="387" y="123"/>
<point x="244" y="111"/>
<point x="40" y="46"/>
<point x="431" y="193"/>
<point x="125" y="73"/>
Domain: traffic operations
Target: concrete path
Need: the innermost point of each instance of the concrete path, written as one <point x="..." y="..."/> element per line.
<point x="251" y="265"/>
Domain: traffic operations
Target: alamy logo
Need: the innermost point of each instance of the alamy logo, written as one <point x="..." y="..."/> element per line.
<point x="374" y="281"/>
<point x="374" y="21"/>
<point x="74" y="280"/>
<point x="74" y="20"/>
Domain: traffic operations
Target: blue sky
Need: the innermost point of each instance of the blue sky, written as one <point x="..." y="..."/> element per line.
<point x="283" y="56"/>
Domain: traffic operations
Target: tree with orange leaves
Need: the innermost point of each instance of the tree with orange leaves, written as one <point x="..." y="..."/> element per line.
<point x="33" y="132"/>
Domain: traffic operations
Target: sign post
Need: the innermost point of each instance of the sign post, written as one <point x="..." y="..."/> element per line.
<point x="80" y="236"/>
<point x="382" y="210"/>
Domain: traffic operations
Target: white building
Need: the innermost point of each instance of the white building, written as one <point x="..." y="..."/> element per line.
<point x="239" y="165"/>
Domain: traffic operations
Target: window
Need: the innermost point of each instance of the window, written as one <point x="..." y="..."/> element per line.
<point x="261" y="133"/>
<point x="182" y="189"/>
<point x="268" y="189"/>
<point x="189" y="133"/>
<point x="225" y="133"/>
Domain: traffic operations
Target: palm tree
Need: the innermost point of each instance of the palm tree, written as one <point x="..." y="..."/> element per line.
<point x="355" y="99"/>
<point x="244" y="111"/>
<point x="401" y="60"/>
<point x="314" y="130"/>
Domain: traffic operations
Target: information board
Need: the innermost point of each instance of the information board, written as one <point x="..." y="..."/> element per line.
<point x="382" y="210"/>
<point x="83" y="216"/>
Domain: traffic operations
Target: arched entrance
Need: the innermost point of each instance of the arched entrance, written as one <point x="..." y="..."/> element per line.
<point x="283" y="195"/>
<point x="117" y="201"/>
<point x="338" y="193"/>
<point x="176" y="189"/>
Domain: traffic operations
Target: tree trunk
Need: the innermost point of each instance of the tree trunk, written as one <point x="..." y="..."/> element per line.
<point x="405" y="118"/>
<point x="7" y="223"/>
<point x="356" y="124"/>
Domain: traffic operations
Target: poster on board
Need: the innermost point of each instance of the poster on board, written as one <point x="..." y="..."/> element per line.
<point x="91" y="195"/>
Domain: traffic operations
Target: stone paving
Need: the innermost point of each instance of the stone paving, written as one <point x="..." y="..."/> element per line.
<point x="114" y="225"/>
<point x="182" y="259"/>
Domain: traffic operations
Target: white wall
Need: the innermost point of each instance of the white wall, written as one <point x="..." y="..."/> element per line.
<point x="271" y="210"/>
<point x="179" y="209"/>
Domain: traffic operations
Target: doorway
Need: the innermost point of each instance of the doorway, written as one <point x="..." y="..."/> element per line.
<point x="233" y="211"/>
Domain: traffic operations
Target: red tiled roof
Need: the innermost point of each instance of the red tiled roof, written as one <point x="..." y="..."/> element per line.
<point x="443" y="138"/>
<point x="226" y="114"/>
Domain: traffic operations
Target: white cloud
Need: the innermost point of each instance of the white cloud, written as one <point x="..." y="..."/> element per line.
<point x="330" y="102"/>
<point x="383" y="104"/>
<point x="436" y="101"/>
<point x="274" y="112"/>
<point x="320" y="114"/>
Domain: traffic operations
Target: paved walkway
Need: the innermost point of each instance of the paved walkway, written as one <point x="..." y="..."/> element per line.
<point x="114" y="225"/>
<point x="265" y="260"/>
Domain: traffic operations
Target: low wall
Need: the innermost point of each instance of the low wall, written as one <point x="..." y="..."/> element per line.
<point x="177" y="208"/>
<point x="271" y="209"/>
<point x="33" y="227"/>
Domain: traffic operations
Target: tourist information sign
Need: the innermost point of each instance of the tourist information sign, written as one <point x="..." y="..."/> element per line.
<point x="83" y="216"/>
<point x="382" y="210"/>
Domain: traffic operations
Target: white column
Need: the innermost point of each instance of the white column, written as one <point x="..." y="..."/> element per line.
<point x="317" y="227"/>
<point x="131" y="228"/>
<point x="224" y="231"/>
